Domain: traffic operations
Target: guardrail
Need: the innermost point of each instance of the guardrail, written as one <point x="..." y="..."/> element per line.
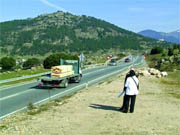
<point x="23" y="77"/>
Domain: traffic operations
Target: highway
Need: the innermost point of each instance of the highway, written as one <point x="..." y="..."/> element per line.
<point x="16" y="98"/>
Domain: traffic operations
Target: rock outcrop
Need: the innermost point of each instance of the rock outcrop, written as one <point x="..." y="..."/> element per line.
<point x="151" y="72"/>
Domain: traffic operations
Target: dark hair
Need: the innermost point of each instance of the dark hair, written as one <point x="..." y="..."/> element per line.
<point x="132" y="73"/>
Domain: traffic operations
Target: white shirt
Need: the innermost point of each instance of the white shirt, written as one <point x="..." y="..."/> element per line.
<point x="131" y="86"/>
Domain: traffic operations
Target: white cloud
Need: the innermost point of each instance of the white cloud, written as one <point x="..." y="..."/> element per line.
<point x="46" y="2"/>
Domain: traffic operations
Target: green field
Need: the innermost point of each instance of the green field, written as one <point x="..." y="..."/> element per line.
<point x="14" y="74"/>
<point x="172" y="84"/>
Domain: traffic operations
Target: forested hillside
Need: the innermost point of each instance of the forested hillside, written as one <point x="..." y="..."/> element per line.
<point x="64" y="32"/>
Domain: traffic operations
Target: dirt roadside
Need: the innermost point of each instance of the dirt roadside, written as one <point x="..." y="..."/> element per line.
<point x="93" y="111"/>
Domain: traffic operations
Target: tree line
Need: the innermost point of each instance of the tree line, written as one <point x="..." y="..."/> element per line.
<point x="9" y="63"/>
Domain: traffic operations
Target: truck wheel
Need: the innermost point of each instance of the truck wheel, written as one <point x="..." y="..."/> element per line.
<point x="65" y="83"/>
<point x="78" y="79"/>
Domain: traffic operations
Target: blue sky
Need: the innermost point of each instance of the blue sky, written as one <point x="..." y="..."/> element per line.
<point x="134" y="15"/>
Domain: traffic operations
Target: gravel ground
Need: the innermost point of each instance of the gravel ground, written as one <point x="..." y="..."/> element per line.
<point x="94" y="111"/>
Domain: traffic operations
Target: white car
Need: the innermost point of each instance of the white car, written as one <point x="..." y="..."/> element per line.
<point x="112" y="63"/>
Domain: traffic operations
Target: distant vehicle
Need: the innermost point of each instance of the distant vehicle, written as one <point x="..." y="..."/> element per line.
<point x="127" y="60"/>
<point x="112" y="63"/>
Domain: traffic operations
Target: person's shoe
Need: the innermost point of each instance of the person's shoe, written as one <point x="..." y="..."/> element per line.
<point x="131" y="111"/>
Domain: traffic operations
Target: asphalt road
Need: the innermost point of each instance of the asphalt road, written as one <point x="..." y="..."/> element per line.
<point x="16" y="98"/>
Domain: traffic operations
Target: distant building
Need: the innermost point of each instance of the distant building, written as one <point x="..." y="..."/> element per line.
<point x="161" y="40"/>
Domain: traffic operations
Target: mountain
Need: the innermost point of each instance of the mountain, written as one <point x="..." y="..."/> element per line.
<point x="65" y="32"/>
<point x="173" y="37"/>
<point x="175" y="34"/>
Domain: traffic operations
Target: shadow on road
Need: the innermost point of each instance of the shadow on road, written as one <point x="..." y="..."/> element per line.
<point x="41" y="88"/>
<point x="104" y="107"/>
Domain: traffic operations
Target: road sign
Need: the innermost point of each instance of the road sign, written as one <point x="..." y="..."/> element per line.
<point x="82" y="57"/>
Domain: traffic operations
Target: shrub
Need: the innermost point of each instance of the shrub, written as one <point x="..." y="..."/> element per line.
<point x="175" y="51"/>
<point x="170" y="51"/>
<point x="156" y="50"/>
<point x="3" y="127"/>
<point x="165" y="53"/>
<point x="54" y="59"/>
<point x="31" y="63"/>
<point x="30" y="106"/>
<point x="8" y="63"/>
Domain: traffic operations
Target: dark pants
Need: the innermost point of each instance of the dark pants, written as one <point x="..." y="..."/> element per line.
<point x="127" y="98"/>
<point x="124" y="99"/>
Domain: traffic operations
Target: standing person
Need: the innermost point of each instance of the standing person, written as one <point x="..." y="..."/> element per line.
<point x="131" y="90"/>
<point x="124" y="98"/>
